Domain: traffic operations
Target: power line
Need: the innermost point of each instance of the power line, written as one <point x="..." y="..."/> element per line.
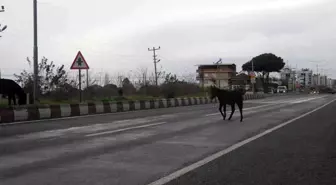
<point x="155" y="62"/>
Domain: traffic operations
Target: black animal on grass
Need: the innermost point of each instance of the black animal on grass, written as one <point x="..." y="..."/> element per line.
<point x="230" y="97"/>
<point x="11" y="89"/>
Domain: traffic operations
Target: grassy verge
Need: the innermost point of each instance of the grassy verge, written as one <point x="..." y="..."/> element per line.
<point x="44" y="101"/>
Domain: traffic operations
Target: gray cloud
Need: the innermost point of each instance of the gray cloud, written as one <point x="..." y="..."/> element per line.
<point x="114" y="35"/>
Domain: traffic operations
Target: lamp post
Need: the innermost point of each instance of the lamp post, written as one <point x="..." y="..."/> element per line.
<point x="35" y="92"/>
<point x="253" y="82"/>
<point x="217" y="76"/>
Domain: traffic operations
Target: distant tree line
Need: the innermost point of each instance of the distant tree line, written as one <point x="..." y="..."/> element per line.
<point x="54" y="84"/>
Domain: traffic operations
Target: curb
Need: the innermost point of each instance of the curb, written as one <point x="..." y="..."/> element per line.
<point x="9" y="115"/>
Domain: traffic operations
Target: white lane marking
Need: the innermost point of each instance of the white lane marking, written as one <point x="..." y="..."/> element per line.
<point x="102" y="127"/>
<point x="87" y="128"/>
<point x="255" y="107"/>
<point x="221" y="153"/>
<point x="298" y="100"/>
<point x="304" y="100"/>
<point x="125" y="129"/>
<point x="271" y="103"/>
<point x="10" y="161"/>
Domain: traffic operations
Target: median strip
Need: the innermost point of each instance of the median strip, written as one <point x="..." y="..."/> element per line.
<point x="10" y="116"/>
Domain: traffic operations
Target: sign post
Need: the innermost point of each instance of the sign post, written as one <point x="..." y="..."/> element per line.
<point x="79" y="63"/>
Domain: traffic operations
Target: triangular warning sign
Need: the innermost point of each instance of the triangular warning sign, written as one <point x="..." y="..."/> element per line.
<point x="79" y="62"/>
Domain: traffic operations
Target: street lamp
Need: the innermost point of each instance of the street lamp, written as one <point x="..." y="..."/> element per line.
<point x="318" y="64"/>
<point x="217" y="76"/>
<point x="253" y="82"/>
<point x="35" y="92"/>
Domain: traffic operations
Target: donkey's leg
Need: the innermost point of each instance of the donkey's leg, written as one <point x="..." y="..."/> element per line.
<point x="232" y="110"/>
<point x="14" y="100"/>
<point x="9" y="100"/>
<point x="240" y="106"/>
<point x="220" y="110"/>
<point x="224" y="116"/>
<point x="9" y="97"/>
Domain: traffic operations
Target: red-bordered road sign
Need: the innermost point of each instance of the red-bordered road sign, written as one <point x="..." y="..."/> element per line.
<point x="79" y="62"/>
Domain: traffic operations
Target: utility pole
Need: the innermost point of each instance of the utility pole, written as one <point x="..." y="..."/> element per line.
<point x="155" y="62"/>
<point x="253" y="84"/>
<point x="318" y="63"/>
<point x="318" y="76"/>
<point x="87" y="79"/>
<point x="35" y="93"/>
<point x="296" y="77"/>
<point x="217" y="63"/>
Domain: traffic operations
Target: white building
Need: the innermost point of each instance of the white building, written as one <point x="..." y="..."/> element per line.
<point x="330" y="82"/>
<point x="333" y="83"/>
<point x="323" y="80"/>
<point x="222" y="73"/>
<point x="316" y="80"/>
<point x="288" y="74"/>
<point x="305" y="77"/>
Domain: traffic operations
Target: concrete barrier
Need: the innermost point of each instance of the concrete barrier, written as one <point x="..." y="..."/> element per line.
<point x="30" y="113"/>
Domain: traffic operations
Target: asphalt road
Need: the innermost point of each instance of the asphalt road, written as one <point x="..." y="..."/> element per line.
<point x="141" y="147"/>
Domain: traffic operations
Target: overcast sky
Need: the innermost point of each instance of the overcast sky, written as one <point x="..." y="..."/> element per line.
<point x="114" y="35"/>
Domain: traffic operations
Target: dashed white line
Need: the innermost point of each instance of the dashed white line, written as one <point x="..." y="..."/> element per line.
<point x="255" y="107"/>
<point x="272" y="103"/>
<point x="125" y="129"/>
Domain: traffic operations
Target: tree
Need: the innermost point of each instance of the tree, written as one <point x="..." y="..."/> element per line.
<point x="190" y="78"/>
<point x="142" y="76"/>
<point x="160" y="76"/>
<point x="110" y="90"/>
<point x="50" y="77"/>
<point x="106" y="79"/>
<point x="170" y="78"/>
<point x="145" y="87"/>
<point x="265" y="64"/>
<point x="127" y="87"/>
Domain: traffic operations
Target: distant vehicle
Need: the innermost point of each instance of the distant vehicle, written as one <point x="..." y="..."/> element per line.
<point x="282" y="89"/>
<point x="325" y="90"/>
<point x="314" y="92"/>
<point x="272" y="90"/>
<point x="332" y="91"/>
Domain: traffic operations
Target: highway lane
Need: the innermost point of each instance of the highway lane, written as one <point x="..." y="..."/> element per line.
<point x="302" y="152"/>
<point x="93" y="124"/>
<point x="49" y="125"/>
<point x="138" y="150"/>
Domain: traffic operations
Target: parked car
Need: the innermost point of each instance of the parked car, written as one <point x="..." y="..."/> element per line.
<point x="327" y="90"/>
<point x="332" y="91"/>
<point x="282" y="89"/>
